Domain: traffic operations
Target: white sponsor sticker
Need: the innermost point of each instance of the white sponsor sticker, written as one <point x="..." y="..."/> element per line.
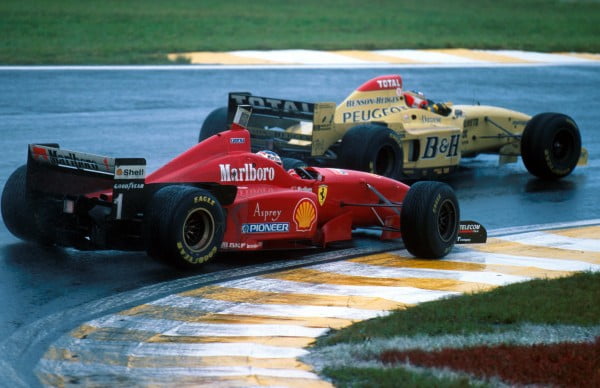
<point x="130" y="172"/>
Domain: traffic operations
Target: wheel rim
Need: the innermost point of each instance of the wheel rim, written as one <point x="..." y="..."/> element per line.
<point x="562" y="145"/>
<point x="385" y="160"/>
<point x="447" y="220"/>
<point x="198" y="229"/>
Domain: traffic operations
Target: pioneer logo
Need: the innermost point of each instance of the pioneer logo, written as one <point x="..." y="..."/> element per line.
<point x="267" y="227"/>
<point x="248" y="173"/>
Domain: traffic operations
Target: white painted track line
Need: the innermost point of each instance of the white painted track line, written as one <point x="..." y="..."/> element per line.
<point x="350" y="58"/>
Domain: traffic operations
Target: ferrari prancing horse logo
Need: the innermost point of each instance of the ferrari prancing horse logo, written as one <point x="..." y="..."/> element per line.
<point x="322" y="194"/>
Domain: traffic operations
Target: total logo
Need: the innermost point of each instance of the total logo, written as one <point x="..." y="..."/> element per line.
<point x="273" y="103"/>
<point x="389" y="83"/>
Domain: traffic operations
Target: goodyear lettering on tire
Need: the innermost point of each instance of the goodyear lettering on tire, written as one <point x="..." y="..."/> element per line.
<point x="191" y="259"/>
<point x="204" y="199"/>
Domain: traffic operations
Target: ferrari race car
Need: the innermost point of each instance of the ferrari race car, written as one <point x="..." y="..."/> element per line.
<point x="382" y="129"/>
<point x="219" y="196"/>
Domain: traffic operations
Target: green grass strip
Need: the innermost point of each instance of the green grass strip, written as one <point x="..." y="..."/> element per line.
<point x="565" y="301"/>
<point x="568" y="301"/>
<point x="145" y="31"/>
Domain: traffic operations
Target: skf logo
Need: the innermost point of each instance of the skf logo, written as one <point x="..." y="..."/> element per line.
<point x="322" y="194"/>
<point x="305" y="215"/>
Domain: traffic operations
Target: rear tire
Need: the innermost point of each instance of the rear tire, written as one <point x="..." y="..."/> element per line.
<point x="215" y="122"/>
<point x="551" y="145"/>
<point x="372" y="148"/>
<point x="430" y="219"/>
<point x="19" y="213"/>
<point x="184" y="226"/>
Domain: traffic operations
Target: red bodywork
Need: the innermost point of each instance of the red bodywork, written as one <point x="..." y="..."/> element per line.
<point x="274" y="208"/>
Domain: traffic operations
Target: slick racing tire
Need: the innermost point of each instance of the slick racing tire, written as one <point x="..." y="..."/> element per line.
<point x="551" y="145"/>
<point x="430" y="219"/>
<point x="215" y="122"/>
<point x="20" y="213"/>
<point x="184" y="226"/>
<point x="372" y="148"/>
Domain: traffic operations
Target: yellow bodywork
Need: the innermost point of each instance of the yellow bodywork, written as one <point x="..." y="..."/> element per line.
<point x="432" y="143"/>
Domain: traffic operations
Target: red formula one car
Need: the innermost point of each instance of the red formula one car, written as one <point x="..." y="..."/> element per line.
<point x="217" y="196"/>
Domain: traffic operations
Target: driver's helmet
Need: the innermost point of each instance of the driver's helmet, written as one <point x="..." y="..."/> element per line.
<point x="271" y="156"/>
<point x="415" y="99"/>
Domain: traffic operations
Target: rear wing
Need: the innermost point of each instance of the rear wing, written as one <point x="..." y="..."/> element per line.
<point x="271" y="116"/>
<point x="69" y="175"/>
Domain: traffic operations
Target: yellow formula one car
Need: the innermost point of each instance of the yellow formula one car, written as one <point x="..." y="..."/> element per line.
<point x="381" y="128"/>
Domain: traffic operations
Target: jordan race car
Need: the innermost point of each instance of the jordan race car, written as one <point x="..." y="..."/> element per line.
<point x="382" y="129"/>
<point x="218" y="196"/>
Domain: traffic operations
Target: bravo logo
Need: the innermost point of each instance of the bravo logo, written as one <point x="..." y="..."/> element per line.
<point x="443" y="145"/>
<point x="248" y="173"/>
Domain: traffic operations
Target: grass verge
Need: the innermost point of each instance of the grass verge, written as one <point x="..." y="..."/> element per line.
<point x="145" y="31"/>
<point x="568" y="301"/>
<point x="565" y="301"/>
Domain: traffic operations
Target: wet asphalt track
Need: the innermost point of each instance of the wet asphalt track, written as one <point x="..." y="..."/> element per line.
<point x="156" y="114"/>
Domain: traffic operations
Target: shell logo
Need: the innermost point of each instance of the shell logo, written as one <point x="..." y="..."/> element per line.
<point x="305" y="215"/>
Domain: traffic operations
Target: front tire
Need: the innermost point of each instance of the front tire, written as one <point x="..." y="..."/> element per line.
<point x="184" y="226"/>
<point x="215" y="122"/>
<point x="551" y="145"/>
<point x="372" y="148"/>
<point x="430" y="219"/>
